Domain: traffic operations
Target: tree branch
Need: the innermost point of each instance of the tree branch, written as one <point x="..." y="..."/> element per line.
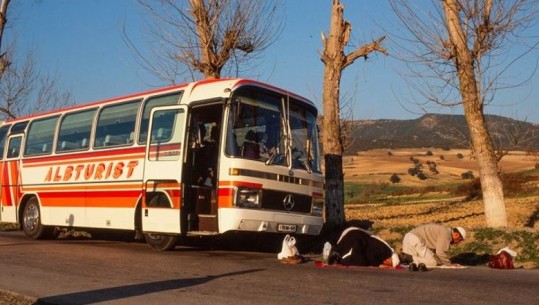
<point x="364" y="51"/>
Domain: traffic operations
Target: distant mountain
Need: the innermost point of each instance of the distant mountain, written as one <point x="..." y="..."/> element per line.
<point x="439" y="131"/>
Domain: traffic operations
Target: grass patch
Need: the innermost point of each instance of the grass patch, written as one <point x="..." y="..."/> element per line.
<point x="524" y="242"/>
<point x="521" y="184"/>
<point x="356" y="193"/>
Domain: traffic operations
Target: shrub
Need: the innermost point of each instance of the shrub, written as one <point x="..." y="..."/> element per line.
<point x="460" y="156"/>
<point x="467" y="175"/>
<point x="471" y="189"/>
<point x="422" y="176"/>
<point x="433" y="168"/>
<point x="395" y="178"/>
<point x="389" y="153"/>
<point x="429" y="153"/>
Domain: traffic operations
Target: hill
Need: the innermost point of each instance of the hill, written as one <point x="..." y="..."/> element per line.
<point x="439" y="131"/>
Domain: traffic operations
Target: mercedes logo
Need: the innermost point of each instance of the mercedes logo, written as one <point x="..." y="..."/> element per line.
<point x="288" y="202"/>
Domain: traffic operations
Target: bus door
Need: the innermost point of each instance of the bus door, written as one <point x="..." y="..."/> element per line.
<point x="10" y="180"/>
<point x="163" y="170"/>
<point x="201" y="172"/>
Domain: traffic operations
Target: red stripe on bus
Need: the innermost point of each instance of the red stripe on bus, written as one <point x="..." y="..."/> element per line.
<point x="105" y="194"/>
<point x="113" y="153"/>
<point x="225" y="192"/>
<point x="6" y="194"/>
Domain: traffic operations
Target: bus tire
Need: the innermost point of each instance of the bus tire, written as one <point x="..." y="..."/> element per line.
<point x="161" y="242"/>
<point x="31" y="220"/>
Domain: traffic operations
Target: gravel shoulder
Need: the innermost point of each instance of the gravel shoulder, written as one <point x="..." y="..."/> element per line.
<point x="11" y="298"/>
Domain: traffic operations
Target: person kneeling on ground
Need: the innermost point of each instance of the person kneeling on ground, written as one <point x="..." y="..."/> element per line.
<point x="359" y="247"/>
<point x="428" y="245"/>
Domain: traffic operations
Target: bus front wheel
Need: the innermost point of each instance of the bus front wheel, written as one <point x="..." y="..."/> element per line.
<point x="31" y="220"/>
<point x="161" y="242"/>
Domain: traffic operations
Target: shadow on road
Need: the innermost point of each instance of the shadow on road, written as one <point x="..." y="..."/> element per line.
<point x="250" y="242"/>
<point x="121" y="292"/>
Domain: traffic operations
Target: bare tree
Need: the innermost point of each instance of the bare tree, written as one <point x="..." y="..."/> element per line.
<point x="23" y="89"/>
<point x="460" y="51"/>
<point x="208" y="37"/>
<point x="4" y="63"/>
<point x="335" y="61"/>
<point x="511" y="135"/>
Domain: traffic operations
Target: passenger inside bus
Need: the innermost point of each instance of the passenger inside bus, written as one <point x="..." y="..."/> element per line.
<point x="205" y="143"/>
<point x="251" y="147"/>
<point x="268" y="145"/>
<point x="208" y="154"/>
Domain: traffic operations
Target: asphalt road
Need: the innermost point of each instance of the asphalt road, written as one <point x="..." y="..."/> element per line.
<point x="116" y="272"/>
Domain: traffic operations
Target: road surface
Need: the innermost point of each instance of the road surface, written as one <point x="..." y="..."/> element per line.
<point x="117" y="272"/>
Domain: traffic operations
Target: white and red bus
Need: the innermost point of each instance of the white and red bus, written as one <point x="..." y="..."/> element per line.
<point x="195" y="159"/>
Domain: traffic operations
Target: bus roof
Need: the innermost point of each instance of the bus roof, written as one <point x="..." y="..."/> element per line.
<point x="197" y="90"/>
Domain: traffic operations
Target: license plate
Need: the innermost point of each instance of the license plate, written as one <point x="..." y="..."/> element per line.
<point x="286" y="228"/>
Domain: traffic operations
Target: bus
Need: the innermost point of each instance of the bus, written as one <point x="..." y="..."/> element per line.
<point x="202" y="158"/>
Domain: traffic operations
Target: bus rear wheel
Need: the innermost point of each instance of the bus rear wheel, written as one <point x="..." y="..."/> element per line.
<point x="31" y="220"/>
<point x="161" y="242"/>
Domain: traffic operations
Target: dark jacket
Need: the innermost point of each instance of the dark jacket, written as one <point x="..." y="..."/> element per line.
<point x="358" y="247"/>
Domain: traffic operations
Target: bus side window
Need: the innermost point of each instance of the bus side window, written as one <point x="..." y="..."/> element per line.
<point x="14" y="147"/>
<point x="116" y="124"/>
<point x="74" y="131"/>
<point x="40" y="136"/>
<point x="3" y="135"/>
<point x="166" y="100"/>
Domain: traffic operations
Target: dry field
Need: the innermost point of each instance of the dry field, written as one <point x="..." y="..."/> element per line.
<point x="376" y="166"/>
<point x="390" y="217"/>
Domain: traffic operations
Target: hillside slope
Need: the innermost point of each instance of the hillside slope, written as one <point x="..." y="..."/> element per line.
<point x="439" y="131"/>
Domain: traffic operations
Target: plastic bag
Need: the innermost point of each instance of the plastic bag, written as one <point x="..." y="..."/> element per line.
<point x="289" y="248"/>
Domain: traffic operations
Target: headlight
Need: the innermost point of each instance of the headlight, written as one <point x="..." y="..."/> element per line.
<point x="317" y="207"/>
<point x="248" y="197"/>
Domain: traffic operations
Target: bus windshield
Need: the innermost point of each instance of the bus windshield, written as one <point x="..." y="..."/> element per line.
<point x="272" y="128"/>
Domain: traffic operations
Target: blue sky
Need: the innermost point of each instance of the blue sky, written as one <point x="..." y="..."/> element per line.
<point x="82" y="42"/>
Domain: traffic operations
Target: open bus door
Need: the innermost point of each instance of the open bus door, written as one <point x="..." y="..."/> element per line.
<point x="10" y="180"/>
<point x="161" y="202"/>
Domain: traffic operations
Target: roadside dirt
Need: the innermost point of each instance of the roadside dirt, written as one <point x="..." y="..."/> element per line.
<point x="9" y="298"/>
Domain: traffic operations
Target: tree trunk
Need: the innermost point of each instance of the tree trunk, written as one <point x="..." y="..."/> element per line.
<point x="482" y="146"/>
<point x="4" y="63"/>
<point x="335" y="61"/>
<point x="331" y="141"/>
<point x="333" y="58"/>
<point x="491" y="184"/>
<point x="207" y="64"/>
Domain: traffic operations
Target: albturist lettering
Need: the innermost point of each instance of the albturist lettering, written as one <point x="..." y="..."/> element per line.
<point x="91" y="171"/>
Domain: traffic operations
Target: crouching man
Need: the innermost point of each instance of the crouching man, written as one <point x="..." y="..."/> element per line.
<point x="358" y="247"/>
<point x="428" y="245"/>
